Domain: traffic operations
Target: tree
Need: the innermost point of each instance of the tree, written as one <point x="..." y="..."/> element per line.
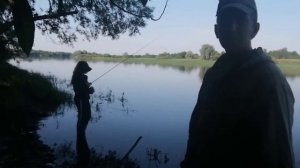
<point x="284" y="53"/>
<point x="125" y="54"/>
<point x="189" y="55"/>
<point x="208" y="52"/>
<point x="68" y="19"/>
<point x="181" y="54"/>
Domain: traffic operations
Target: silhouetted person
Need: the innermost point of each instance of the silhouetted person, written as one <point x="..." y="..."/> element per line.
<point x="82" y="89"/>
<point x="244" y="113"/>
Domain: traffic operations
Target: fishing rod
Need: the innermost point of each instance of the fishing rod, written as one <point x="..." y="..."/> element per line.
<point x="124" y="60"/>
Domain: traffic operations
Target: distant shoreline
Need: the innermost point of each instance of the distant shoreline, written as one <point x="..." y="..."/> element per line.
<point x="289" y="67"/>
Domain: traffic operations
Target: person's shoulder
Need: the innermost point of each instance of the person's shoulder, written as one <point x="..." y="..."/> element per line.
<point x="79" y="77"/>
<point x="257" y="57"/>
<point x="219" y="63"/>
<point x="266" y="69"/>
<point x="268" y="65"/>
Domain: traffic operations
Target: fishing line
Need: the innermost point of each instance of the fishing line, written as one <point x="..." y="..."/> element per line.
<point x="124" y="60"/>
<point x="137" y="15"/>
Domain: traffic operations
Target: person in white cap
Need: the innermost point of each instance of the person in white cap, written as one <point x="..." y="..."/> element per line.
<point x="244" y="113"/>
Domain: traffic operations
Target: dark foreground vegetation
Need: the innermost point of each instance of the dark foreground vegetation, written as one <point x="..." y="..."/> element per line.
<point x="25" y="98"/>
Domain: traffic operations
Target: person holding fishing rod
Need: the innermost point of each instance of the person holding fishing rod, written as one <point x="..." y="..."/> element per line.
<point x="82" y="89"/>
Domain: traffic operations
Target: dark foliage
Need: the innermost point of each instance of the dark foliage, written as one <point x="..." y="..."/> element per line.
<point x="68" y="19"/>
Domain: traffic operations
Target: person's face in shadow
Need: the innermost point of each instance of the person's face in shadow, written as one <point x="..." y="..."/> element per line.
<point x="235" y="30"/>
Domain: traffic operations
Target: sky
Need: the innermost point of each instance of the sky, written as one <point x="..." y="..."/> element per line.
<point x="188" y="24"/>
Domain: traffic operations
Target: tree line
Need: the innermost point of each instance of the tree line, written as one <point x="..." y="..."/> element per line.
<point x="206" y="52"/>
<point x="39" y="54"/>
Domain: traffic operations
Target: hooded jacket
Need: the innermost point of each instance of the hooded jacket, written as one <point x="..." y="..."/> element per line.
<point x="243" y="116"/>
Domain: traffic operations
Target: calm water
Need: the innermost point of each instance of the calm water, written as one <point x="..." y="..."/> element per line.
<point x="158" y="105"/>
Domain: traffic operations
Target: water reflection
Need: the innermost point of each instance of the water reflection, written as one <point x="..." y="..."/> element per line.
<point x="157" y="157"/>
<point x="181" y="68"/>
<point x="99" y="99"/>
<point x="82" y="147"/>
<point x="202" y="72"/>
<point x="84" y="116"/>
<point x="146" y="101"/>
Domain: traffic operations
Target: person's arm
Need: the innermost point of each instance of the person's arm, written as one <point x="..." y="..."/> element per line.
<point x="88" y="86"/>
<point x="274" y="118"/>
<point x="191" y="149"/>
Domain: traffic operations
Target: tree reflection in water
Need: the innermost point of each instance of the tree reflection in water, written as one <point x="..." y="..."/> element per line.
<point x="157" y="157"/>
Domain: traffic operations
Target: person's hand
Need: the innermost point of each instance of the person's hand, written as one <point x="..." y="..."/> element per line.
<point x="91" y="90"/>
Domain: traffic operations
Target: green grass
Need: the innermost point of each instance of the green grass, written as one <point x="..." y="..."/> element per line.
<point x="181" y="64"/>
<point x="149" y="61"/>
<point x="290" y="67"/>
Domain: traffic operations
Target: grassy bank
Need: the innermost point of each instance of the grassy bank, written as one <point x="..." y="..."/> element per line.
<point x="23" y="93"/>
<point x="151" y="61"/>
<point x="290" y="67"/>
<point x="25" y="98"/>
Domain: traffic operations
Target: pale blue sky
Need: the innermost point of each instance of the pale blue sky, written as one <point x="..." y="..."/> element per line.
<point x="187" y="25"/>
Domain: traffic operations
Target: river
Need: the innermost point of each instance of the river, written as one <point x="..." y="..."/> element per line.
<point x="134" y="100"/>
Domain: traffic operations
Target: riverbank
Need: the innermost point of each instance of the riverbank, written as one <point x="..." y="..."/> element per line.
<point x="25" y="98"/>
<point x="290" y="67"/>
